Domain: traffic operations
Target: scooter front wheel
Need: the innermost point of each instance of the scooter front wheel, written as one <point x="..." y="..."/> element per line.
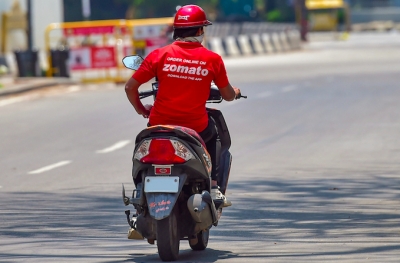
<point x="202" y="240"/>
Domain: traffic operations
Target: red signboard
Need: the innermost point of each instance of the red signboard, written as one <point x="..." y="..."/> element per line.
<point x="89" y="30"/>
<point x="103" y="57"/>
<point x="92" y="58"/>
<point x="98" y="30"/>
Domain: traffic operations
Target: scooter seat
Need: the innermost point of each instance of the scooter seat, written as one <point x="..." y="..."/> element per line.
<point x="180" y="131"/>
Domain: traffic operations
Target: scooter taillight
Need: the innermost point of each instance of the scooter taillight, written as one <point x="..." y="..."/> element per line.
<point x="163" y="151"/>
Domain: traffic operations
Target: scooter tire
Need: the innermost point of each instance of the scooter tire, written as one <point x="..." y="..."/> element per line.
<point x="168" y="238"/>
<point x="202" y="240"/>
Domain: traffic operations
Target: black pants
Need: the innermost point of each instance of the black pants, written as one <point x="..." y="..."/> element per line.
<point x="210" y="137"/>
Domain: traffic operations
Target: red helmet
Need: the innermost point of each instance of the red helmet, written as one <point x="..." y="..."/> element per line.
<point x="190" y="16"/>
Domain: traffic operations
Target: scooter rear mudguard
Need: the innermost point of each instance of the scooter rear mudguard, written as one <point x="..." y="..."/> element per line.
<point x="160" y="204"/>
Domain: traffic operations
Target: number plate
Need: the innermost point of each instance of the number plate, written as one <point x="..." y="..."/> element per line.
<point x="161" y="184"/>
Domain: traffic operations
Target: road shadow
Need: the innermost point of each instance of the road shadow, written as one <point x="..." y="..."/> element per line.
<point x="316" y="206"/>
<point x="266" y="211"/>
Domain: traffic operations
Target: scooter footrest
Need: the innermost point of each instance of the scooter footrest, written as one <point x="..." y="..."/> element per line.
<point x="218" y="203"/>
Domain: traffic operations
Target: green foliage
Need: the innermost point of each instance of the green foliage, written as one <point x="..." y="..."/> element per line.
<point x="341" y="16"/>
<point x="279" y="10"/>
<point x="274" y="16"/>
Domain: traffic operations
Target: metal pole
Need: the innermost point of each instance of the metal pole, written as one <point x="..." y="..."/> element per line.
<point x="86" y="9"/>
<point x="29" y="30"/>
<point x="347" y="11"/>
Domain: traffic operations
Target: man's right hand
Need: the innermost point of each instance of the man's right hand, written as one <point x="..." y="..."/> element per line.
<point x="229" y="93"/>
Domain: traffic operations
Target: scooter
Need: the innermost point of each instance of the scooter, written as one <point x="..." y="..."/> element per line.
<point x="171" y="172"/>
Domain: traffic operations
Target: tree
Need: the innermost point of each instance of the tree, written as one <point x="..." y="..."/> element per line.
<point x="279" y="11"/>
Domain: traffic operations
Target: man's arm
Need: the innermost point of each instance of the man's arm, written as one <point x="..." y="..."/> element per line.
<point x="229" y="93"/>
<point x="132" y="92"/>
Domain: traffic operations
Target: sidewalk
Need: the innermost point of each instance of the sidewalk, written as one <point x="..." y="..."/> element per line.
<point x="10" y="85"/>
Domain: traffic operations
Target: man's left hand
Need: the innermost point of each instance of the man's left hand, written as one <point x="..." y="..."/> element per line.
<point x="147" y="110"/>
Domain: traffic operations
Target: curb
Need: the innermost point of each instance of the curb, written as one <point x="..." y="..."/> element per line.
<point x="29" y="84"/>
<point x="376" y="26"/>
<point x="252" y="38"/>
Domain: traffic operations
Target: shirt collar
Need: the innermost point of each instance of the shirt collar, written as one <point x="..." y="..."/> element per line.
<point x="187" y="44"/>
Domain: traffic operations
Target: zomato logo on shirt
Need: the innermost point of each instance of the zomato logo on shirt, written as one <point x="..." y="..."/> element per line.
<point x="185" y="69"/>
<point x="189" y="67"/>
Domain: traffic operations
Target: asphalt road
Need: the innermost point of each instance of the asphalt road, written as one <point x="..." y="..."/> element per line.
<point x="315" y="174"/>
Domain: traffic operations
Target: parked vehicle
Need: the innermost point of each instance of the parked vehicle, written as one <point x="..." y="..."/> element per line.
<point x="171" y="172"/>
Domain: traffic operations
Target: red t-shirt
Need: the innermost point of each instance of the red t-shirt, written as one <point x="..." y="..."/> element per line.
<point x="185" y="71"/>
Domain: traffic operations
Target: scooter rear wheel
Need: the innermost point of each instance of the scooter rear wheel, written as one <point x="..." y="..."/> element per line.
<point x="168" y="237"/>
<point x="202" y="240"/>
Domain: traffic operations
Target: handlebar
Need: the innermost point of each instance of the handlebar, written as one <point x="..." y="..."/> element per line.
<point x="214" y="98"/>
<point x="145" y="94"/>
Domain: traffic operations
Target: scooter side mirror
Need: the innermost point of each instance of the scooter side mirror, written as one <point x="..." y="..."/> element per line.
<point x="132" y="62"/>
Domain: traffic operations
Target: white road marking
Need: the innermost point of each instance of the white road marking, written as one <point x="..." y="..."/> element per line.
<point x="9" y="101"/>
<point x="264" y="94"/>
<point x="74" y="88"/>
<point x="50" y="167"/>
<point x="115" y="147"/>
<point x="289" y="88"/>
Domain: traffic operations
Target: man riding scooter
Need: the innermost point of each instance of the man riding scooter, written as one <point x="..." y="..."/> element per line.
<point x="185" y="70"/>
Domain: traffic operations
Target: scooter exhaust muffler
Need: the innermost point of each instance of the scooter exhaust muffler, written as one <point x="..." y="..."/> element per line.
<point x="202" y="210"/>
